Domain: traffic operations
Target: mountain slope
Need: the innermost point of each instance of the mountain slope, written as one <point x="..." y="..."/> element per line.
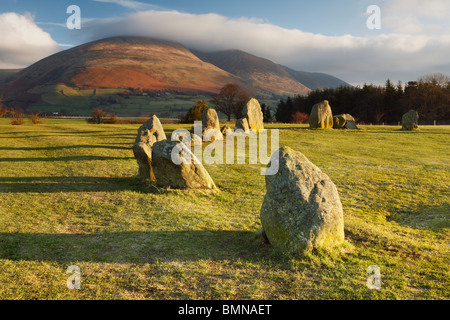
<point x="134" y="64"/>
<point x="315" y="80"/>
<point x="122" y="62"/>
<point x="6" y="74"/>
<point x="260" y="73"/>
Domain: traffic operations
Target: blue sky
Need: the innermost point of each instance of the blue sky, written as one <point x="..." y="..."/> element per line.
<point x="324" y="36"/>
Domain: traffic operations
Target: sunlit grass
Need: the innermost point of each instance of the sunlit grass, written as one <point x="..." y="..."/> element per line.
<point x="69" y="196"/>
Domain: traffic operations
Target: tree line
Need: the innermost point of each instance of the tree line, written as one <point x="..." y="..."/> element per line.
<point x="429" y="96"/>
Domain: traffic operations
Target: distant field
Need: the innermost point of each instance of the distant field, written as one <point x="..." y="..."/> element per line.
<point x="69" y="196"/>
<point x="75" y="102"/>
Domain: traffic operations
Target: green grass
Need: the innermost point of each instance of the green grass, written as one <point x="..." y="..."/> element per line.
<point x="69" y="196"/>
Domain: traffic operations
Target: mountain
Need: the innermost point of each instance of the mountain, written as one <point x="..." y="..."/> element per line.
<point x="6" y="74"/>
<point x="262" y="74"/>
<point x="120" y="64"/>
<point x="315" y="80"/>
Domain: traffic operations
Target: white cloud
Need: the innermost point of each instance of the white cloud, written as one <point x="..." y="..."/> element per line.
<point x="399" y="56"/>
<point x="22" y="42"/>
<point x="431" y="17"/>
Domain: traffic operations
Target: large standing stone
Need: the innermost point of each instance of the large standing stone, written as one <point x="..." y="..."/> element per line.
<point x="255" y="118"/>
<point x="410" y="120"/>
<point x="342" y="121"/>
<point x="149" y="133"/>
<point x="321" y="116"/>
<point x="184" y="171"/>
<point x="301" y="209"/>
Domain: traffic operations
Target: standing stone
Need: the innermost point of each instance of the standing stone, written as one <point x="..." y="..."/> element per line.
<point x="242" y="124"/>
<point x="183" y="172"/>
<point x="210" y="119"/>
<point x="301" y="209"/>
<point x="342" y="121"/>
<point x="321" y="116"/>
<point x="149" y="133"/>
<point x="410" y="120"/>
<point x="211" y="126"/>
<point x="255" y="118"/>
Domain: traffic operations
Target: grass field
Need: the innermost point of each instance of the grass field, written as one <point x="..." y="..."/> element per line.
<point x="77" y="102"/>
<point x="69" y="196"/>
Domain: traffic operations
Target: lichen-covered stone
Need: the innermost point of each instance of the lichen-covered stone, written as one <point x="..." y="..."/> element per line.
<point x="321" y="116"/>
<point x="186" y="173"/>
<point x="410" y="120"/>
<point x="149" y="133"/>
<point x="301" y="209"/>
<point x="253" y="113"/>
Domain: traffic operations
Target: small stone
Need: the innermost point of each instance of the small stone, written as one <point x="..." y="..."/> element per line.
<point x="242" y="124"/>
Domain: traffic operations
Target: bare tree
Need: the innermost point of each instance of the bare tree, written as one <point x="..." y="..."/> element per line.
<point x="230" y="100"/>
<point x="437" y="79"/>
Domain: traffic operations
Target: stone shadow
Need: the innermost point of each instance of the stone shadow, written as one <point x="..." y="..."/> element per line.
<point x="73" y="184"/>
<point x="148" y="247"/>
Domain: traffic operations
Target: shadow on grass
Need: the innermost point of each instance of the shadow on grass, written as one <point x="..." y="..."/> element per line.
<point x="134" y="247"/>
<point x="73" y="184"/>
<point x="396" y="131"/>
<point x="72" y="158"/>
<point x="434" y="218"/>
<point x="68" y="147"/>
